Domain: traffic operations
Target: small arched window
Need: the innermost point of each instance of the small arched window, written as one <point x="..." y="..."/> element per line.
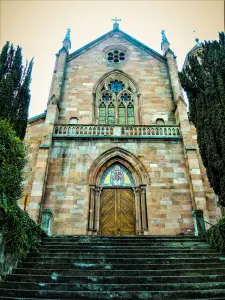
<point x="160" y="121"/>
<point x="73" y="121"/>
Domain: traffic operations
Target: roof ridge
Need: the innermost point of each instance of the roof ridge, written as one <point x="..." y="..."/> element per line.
<point x="125" y="35"/>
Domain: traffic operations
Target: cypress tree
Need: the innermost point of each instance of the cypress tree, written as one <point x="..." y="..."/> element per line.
<point x="203" y="79"/>
<point x="14" y="88"/>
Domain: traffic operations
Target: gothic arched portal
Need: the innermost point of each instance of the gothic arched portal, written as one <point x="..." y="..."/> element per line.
<point x="117" y="199"/>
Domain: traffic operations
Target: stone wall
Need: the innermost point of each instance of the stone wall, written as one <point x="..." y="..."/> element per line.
<point x="150" y="74"/>
<point x="33" y="139"/>
<point x="168" y="194"/>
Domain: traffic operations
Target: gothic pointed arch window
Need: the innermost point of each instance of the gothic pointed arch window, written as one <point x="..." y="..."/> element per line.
<point x="115" y="102"/>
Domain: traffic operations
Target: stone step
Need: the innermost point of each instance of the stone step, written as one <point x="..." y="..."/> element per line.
<point x="51" y="294"/>
<point x="130" y="245"/>
<point x="141" y="271"/>
<point x="121" y="238"/>
<point x="122" y="249"/>
<point x="125" y="251"/>
<point x="113" y="287"/>
<point x="114" y="279"/>
<point x="72" y="256"/>
<point x="84" y="267"/>
<point x="115" y="258"/>
<point x="123" y="262"/>
<point x="120" y="241"/>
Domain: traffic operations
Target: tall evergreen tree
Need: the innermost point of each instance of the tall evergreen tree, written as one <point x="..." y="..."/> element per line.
<point x="203" y="79"/>
<point x="14" y="88"/>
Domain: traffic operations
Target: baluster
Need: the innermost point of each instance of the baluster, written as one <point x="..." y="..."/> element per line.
<point x="178" y="131"/>
<point x="161" y="131"/>
<point x="165" y="131"/>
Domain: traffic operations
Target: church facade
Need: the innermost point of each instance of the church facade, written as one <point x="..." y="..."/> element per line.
<point x="115" y="153"/>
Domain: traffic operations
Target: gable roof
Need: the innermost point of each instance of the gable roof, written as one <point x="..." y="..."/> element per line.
<point x="36" y="118"/>
<point x="122" y="34"/>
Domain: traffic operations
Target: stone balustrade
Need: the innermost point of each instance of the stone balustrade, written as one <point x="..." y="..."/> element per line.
<point x="101" y="131"/>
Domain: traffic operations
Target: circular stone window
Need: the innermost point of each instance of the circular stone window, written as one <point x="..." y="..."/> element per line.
<point x="116" y="55"/>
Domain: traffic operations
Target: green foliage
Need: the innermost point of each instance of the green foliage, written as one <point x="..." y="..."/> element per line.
<point x="203" y="79"/>
<point x="216" y="235"/>
<point x="14" y="88"/>
<point x="12" y="162"/>
<point x="20" y="232"/>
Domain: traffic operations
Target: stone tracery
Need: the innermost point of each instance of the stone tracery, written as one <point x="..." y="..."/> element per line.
<point x="116" y="100"/>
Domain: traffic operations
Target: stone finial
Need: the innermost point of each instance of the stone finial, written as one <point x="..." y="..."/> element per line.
<point x="67" y="41"/>
<point x="116" y="24"/>
<point x="165" y="44"/>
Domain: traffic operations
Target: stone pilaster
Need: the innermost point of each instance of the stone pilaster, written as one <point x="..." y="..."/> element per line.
<point x="42" y="163"/>
<point x="189" y="141"/>
<point x="173" y="74"/>
<point x="192" y="160"/>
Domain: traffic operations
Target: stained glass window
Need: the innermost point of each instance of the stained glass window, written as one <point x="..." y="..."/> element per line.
<point x="116" y="104"/>
<point x="102" y="114"/>
<point x="122" y="116"/>
<point x="116" y="86"/>
<point x="130" y="115"/>
<point x="111" y="114"/>
<point x="117" y="175"/>
<point x="126" y="97"/>
<point x="106" y="97"/>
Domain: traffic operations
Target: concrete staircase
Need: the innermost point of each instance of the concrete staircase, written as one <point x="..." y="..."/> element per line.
<point x="94" y="267"/>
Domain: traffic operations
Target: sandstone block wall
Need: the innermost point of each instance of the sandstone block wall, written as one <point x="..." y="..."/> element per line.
<point x="83" y="72"/>
<point x="33" y="139"/>
<point x="168" y="194"/>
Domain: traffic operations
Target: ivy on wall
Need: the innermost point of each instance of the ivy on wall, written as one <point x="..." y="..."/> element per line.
<point x="20" y="232"/>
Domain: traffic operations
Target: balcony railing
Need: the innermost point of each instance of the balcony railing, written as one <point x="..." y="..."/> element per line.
<point x="101" y="131"/>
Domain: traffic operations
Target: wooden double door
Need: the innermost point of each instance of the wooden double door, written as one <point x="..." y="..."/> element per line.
<point x="117" y="212"/>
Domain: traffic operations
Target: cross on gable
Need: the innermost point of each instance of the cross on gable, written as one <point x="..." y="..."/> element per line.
<point x="116" y="24"/>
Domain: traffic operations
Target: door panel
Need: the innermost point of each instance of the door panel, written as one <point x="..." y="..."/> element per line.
<point x="107" y="221"/>
<point x="126" y="212"/>
<point x="117" y="212"/>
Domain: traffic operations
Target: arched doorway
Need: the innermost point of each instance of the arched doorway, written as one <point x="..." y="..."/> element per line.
<point x="117" y="202"/>
<point x="99" y="179"/>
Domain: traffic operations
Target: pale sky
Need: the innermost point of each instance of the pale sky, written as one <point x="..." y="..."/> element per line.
<point x="40" y="26"/>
